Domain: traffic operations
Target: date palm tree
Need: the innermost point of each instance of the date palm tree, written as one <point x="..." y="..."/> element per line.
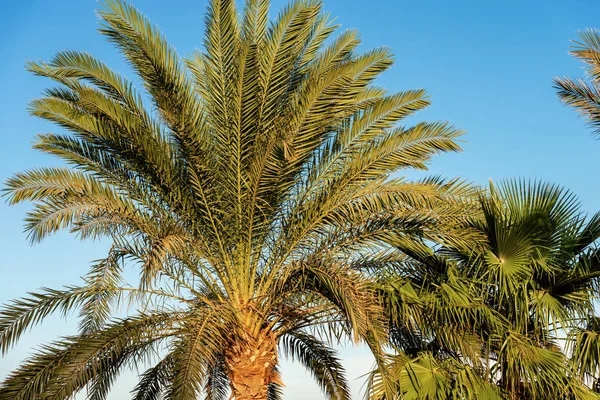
<point x="510" y="317"/>
<point x="584" y="94"/>
<point x="249" y="182"/>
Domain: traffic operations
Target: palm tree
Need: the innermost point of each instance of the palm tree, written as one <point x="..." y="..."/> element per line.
<point x="510" y="317"/>
<point x="584" y="94"/>
<point x="249" y="183"/>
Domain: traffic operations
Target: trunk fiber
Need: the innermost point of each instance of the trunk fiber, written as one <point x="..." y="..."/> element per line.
<point x="251" y="366"/>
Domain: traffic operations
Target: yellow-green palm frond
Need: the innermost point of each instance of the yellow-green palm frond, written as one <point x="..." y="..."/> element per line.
<point x="65" y="367"/>
<point x="255" y="184"/>
<point x="584" y="94"/>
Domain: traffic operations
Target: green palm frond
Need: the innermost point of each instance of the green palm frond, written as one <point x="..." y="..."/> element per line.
<point x="22" y="314"/>
<point x="425" y="377"/>
<point x="65" y="367"/>
<point x="584" y="94"/>
<point x="485" y="318"/>
<point x="196" y="355"/>
<point x="104" y="276"/>
<point x="256" y="186"/>
<point x="217" y="383"/>
<point x="154" y="380"/>
<point x="532" y="370"/>
<point x="319" y="360"/>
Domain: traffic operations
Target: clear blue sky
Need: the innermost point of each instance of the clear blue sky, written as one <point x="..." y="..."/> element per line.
<point x="487" y="66"/>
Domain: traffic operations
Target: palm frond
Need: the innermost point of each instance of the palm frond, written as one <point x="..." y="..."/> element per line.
<point x="320" y="360"/>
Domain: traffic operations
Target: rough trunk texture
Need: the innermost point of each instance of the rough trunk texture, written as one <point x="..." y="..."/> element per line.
<point x="250" y="363"/>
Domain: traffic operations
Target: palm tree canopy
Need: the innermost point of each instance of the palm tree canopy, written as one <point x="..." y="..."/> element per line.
<point x="252" y="183"/>
<point x="509" y="318"/>
<point x="584" y="94"/>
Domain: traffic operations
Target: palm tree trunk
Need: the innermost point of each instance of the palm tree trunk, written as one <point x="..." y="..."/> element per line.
<point x="251" y="366"/>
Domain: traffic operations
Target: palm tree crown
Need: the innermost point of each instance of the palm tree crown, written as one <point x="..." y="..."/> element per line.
<point x="252" y="191"/>
<point x="509" y="317"/>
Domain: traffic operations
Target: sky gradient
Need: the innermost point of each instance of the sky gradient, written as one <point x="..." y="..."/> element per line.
<point x="488" y="67"/>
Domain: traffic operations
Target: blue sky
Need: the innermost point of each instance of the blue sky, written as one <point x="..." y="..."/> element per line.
<point x="486" y="65"/>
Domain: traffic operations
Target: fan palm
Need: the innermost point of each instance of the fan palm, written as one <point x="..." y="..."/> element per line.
<point x="584" y="94"/>
<point x="249" y="192"/>
<point x="509" y="317"/>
